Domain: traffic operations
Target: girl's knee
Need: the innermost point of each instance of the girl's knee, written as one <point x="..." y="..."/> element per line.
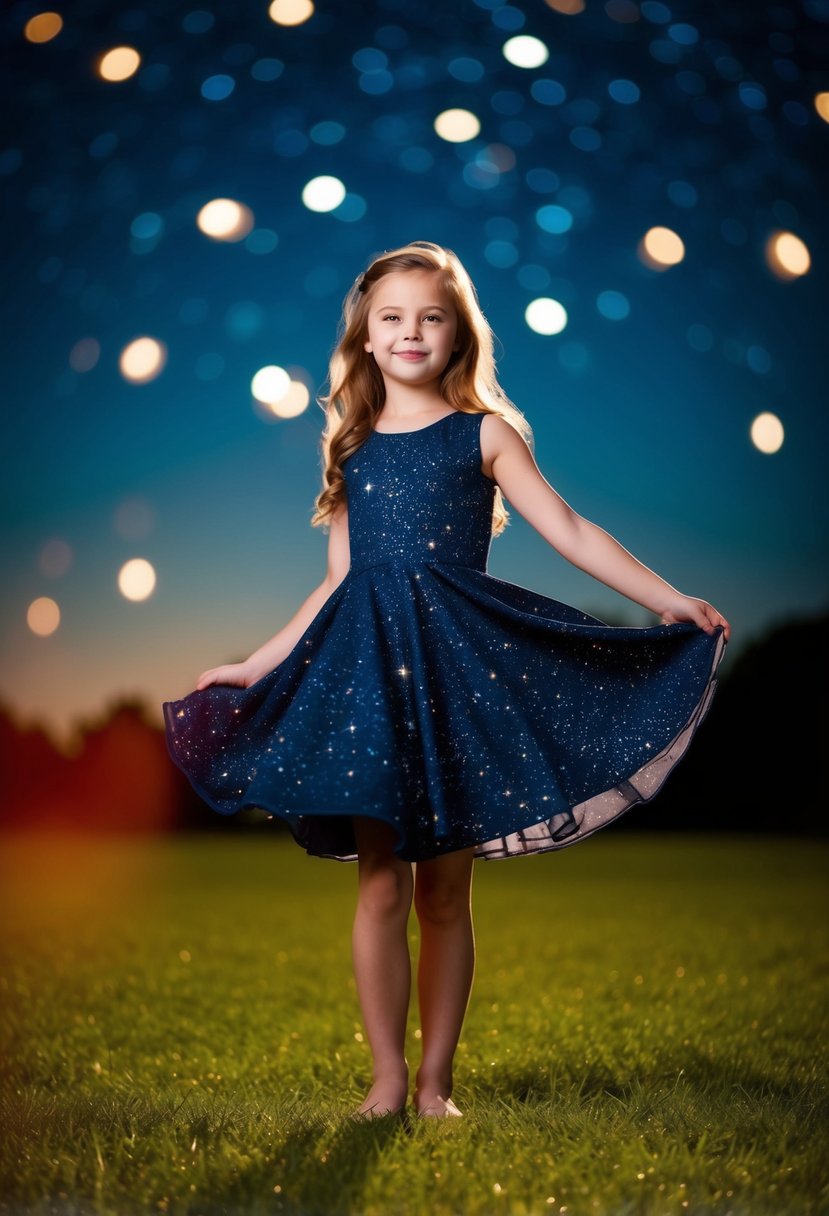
<point x="442" y="904"/>
<point x="385" y="891"/>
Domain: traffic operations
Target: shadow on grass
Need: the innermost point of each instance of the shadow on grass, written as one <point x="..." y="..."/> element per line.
<point x="320" y="1167"/>
<point x="692" y="1090"/>
<point x="288" y="1157"/>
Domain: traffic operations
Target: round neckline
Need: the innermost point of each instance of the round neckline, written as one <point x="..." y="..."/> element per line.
<point x="417" y="431"/>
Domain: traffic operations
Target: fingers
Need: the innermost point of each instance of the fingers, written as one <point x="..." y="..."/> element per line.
<point x="701" y="613"/>
<point x="707" y="613"/>
<point x="726" y="627"/>
<point x="713" y="619"/>
<point x="229" y="674"/>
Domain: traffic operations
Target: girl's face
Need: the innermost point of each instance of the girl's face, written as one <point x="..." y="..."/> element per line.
<point x="411" y="313"/>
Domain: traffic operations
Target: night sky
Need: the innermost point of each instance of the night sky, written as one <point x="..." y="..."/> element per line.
<point x="707" y="120"/>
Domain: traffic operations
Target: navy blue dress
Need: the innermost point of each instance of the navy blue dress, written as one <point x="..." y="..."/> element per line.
<point x="457" y="707"/>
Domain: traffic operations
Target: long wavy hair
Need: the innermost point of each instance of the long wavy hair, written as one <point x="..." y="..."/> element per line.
<point x="356" y="388"/>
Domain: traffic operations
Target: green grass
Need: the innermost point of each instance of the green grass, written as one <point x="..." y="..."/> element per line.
<point x="181" y="1033"/>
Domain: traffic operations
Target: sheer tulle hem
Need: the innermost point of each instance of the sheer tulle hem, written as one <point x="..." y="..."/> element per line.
<point x="596" y="812"/>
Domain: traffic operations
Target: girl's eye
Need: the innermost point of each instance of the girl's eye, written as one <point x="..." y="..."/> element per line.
<point x="429" y="317"/>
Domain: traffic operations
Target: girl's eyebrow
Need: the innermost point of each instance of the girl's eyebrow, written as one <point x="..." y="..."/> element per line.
<point x="427" y="308"/>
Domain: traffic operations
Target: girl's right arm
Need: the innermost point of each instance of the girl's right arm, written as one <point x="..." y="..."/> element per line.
<point x="579" y="540"/>
<point x="277" y="648"/>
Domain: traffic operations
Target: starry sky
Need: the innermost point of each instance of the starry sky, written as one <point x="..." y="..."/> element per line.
<point x="703" y="120"/>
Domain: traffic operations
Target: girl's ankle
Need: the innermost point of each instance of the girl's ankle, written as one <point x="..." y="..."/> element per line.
<point x="438" y="1082"/>
<point x="391" y="1071"/>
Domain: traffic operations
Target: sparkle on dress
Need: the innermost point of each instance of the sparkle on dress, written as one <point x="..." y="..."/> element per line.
<point x="457" y="707"/>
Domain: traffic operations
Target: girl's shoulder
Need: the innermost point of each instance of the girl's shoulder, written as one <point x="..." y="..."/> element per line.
<point x="497" y="437"/>
<point x="498" y="433"/>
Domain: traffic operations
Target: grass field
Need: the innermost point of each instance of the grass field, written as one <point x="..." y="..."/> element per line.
<point x="647" y="1034"/>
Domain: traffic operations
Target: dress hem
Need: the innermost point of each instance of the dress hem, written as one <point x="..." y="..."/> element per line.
<point x="524" y="845"/>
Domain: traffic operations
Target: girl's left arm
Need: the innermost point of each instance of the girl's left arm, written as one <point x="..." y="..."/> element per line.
<point x="581" y="542"/>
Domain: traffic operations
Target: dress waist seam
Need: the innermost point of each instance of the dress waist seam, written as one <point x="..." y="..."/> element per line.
<point x="414" y="561"/>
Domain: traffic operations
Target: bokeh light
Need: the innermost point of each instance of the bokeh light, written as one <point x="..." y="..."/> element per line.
<point x="570" y="8"/>
<point x="351" y="209"/>
<point x="218" y="87"/>
<point x="787" y="256"/>
<point x="524" y="51"/>
<point x="85" y="354"/>
<point x="136" y="579"/>
<point x="267" y="69"/>
<point x="293" y="402"/>
<point x="146" y="231"/>
<point x="624" y="92"/>
<point x="43" y="27"/>
<point x="43" y="616"/>
<point x="142" y="360"/>
<point x="466" y="69"/>
<point x="270" y="384"/>
<point x="613" y="305"/>
<point x="134" y="518"/>
<point x="457" y="126"/>
<point x="262" y="241"/>
<point x="553" y="218"/>
<point x="119" y="64"/>
<point x="545" y="316"/>
<point x="323" y="193"/>
<point x="660" y="248"/>
<point x="327" y="133"/>
<point x="55" y="557"/>
<point x="767" y="433"/>
<point x="290" y="12"/>
<point x="225" y="219"/>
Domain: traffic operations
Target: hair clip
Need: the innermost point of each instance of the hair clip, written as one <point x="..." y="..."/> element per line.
<point x="361" y="286"/>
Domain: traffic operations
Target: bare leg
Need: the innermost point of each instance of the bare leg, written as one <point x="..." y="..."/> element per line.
<point x="443" y="902"/>
<point x="382" y="966"/>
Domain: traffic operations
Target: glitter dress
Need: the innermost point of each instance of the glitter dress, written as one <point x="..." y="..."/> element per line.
<point x="457" y="707"/>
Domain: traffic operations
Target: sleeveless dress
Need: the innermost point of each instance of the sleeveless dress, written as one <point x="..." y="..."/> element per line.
<point x="461" y="709"/>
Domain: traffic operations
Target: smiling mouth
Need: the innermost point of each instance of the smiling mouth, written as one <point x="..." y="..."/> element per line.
<point x="411" y="354"/>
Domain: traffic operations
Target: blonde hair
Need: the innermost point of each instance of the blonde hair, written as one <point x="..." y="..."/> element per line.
<point x="356" y="388"/>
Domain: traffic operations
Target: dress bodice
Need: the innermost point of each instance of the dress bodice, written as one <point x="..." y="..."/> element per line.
<point x="420" y="495"/>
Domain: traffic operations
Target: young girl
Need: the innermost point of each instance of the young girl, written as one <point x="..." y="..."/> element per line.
<point x="418" y="710"/>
